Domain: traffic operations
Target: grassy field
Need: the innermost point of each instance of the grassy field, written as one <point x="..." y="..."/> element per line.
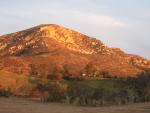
<point x="21" y="105"/>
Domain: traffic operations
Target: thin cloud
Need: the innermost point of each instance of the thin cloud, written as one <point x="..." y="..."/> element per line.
<point x="87" y="18"/>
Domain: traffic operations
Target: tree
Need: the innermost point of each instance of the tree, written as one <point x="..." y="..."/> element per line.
<point x="53" y="92"/>
<point x="90" y="70"/>
<point x="57" y="73"/>
<point x="66" y="74"/>
<point x="33" y="70"/>
<point x="105" y="74"/>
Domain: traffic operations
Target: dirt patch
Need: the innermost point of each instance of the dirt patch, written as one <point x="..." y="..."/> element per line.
<point x="19" y="105"/>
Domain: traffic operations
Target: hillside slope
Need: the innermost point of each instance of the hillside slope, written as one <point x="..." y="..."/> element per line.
<point x="49" y="46"/>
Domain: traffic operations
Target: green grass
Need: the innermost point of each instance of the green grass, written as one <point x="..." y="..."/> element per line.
<point x="108" y="85"/>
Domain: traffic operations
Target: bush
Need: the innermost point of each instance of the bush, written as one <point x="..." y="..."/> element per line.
<point x="4" y="92"/>
<point x="80" y="94"/>
<point x="52" y="92"/>
<point x="57" y="92"/>
<point x="57" y="73"/>
<point x="140" y="86"/>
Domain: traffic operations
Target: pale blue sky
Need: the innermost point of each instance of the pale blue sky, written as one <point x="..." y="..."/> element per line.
<point x="118" y="23"/>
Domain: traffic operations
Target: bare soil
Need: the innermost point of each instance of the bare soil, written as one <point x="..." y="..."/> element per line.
<point x="21" y="105"/>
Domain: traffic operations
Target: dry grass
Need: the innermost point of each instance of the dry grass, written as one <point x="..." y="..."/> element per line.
<point x="14" y="82"/>
<point x="19" y="105"/>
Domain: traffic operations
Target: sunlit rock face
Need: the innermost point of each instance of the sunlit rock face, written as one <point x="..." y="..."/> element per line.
<point x="53" y="44"/>
<point x="35" y="37"/>
<point x="72" y="40"/>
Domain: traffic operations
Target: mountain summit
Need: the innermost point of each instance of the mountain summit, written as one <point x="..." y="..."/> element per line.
<point x="48" y="46"/>
<point x="45" y="37"/>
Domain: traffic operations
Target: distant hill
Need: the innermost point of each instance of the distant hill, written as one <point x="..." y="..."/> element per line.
<point x="46" y="47"/>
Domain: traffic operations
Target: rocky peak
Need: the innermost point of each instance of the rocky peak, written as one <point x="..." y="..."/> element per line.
<point x="39" y="37"/>
<point x="72" y="40"/>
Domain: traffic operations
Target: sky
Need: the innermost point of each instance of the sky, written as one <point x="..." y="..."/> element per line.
<point x="118" y="23"/>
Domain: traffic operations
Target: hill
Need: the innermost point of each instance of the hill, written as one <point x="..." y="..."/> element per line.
<point x="45" y="49"/>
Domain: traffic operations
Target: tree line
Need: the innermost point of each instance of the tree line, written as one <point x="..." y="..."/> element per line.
<point x="97" y="92"/>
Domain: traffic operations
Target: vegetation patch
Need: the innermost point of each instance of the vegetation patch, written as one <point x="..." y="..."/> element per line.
<point x="94" y="92"/>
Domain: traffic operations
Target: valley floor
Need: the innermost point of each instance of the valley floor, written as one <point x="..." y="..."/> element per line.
<point x="19" y="105"/>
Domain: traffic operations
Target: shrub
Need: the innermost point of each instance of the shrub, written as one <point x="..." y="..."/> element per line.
<point x="57" y="73"/>
<point x="4" y="92"/>
<point x="53" y="92"/>
<point x="33" y="70"/>
<point x="90" y="70"/>
<point x="81" y="94"/>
